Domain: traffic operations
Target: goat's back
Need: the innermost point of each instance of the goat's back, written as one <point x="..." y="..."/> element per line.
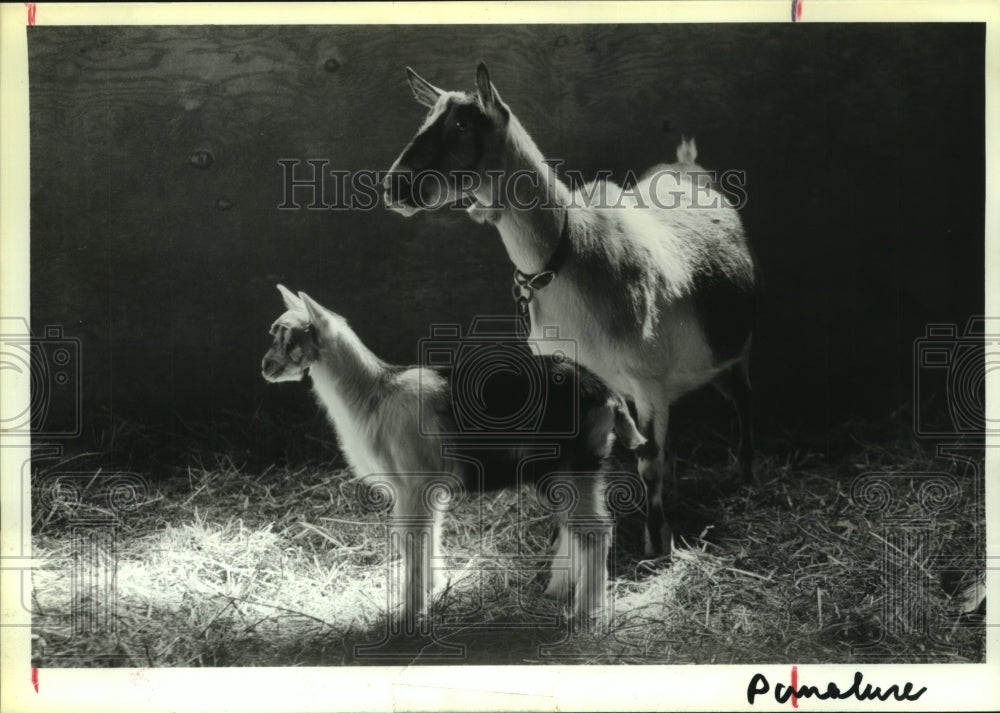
<point x="566" y="425"/>
<point x="670" y="288"/>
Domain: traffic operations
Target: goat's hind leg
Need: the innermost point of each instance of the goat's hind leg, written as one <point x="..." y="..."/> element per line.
<point x="734" y="384"/>
<point x="655" y="468"/>
<point x="414" y="531"/>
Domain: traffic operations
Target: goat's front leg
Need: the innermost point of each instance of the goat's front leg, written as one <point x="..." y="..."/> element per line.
<point x="559" y="566"/>
<point x="579" y="570"/>
<point x="590" y="533"/>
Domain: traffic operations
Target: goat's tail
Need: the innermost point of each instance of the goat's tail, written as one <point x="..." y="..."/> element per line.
<point x="687" y="152"/>
<point x="625" y="428"/>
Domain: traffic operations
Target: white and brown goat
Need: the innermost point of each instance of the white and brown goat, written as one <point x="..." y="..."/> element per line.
<point x="397" y="428"/>
<point x="656" y="287"/>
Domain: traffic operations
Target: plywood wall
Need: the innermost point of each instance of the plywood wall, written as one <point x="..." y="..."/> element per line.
<point x="155" y="185"/>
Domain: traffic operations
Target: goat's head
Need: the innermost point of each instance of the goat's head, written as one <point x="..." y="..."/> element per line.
<point x="295" y="344"/>
<point x="461" y="138"/>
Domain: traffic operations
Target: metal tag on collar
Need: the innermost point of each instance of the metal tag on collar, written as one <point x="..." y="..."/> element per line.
<point x="540" y="280"/>
<point x="534" y="282"/>
<point x="522" y="295"/>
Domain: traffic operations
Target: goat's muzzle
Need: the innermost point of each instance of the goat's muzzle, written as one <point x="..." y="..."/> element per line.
<point x="398" y="192"/>
<point x="271" y="369"/>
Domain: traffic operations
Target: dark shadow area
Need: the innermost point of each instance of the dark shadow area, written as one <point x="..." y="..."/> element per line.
<point x="157" y="238"/>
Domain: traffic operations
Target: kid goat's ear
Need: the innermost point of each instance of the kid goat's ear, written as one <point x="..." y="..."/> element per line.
<point x="291" y="301"/>
<point x="314" y="310"/>
<point x="425" y="92"/>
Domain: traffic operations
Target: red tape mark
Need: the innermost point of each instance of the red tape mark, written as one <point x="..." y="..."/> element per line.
<point x="31" y="13"/>
<point x="34" y="679"/>
<point x="796" y="10"/>
<point x="795" y="686"/>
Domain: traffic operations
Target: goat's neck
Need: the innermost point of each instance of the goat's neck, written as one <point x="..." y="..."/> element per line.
<point x="345" y="374"/>
<point x="531" y="229"/>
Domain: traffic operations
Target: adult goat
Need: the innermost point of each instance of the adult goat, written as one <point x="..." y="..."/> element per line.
<point x="657" y="288"/>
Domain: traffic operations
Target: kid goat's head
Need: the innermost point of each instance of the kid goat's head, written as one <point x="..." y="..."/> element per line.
<point x="461" y="138"/>
<point x="295" y="344"/>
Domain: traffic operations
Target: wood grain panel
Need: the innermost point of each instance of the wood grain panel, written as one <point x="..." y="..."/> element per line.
<point x="155" y="183"/>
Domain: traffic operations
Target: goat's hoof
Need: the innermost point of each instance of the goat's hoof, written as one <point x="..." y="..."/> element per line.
<point x="407" y="624"/>
<point x="558" y="586"/>
<point x="595" y="621"/>
<point x="441" y="585"/>
<point x="662" y="546"/>
<point x="667" y="540"/>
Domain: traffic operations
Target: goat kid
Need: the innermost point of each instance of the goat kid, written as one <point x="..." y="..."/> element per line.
<point x="383" y="414"/>
<point x="657" y="290"/>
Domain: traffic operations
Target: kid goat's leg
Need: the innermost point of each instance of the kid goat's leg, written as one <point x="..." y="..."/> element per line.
<point x="414" y="530"/>
<point x="559" y="566"/>
<point x="579" y="566"/>
<point x="590" y="541"/>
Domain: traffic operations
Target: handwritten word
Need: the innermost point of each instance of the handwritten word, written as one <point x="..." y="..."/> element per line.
<point x="759" y="685"/>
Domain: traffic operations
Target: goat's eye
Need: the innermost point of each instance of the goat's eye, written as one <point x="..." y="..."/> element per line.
<point x="461" y="125"/>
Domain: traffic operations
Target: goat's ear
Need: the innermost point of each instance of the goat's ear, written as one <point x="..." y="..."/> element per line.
<point x="317" y="315"/>
<point x="487" y="92"/>
<point x="425" y="92"/>
<point x="489" y="97"/>
<point x="291" y="301"/>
